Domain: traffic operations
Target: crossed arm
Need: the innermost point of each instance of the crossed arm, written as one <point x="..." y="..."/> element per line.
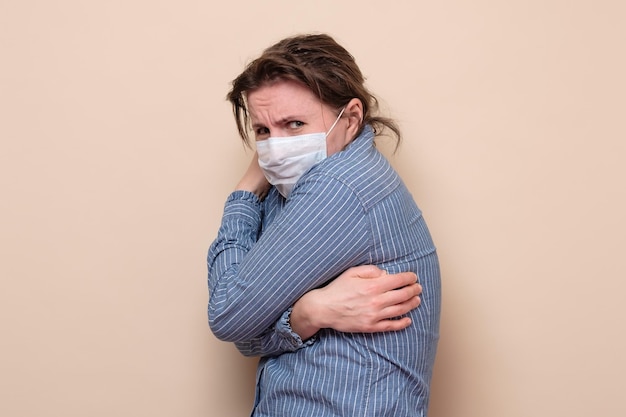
<point x="359" y="299"/>
<point x="362" y="299"/>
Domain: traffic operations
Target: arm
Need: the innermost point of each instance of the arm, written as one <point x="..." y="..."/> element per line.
<point x="362" y="299"/>
<point x="251" y="279"/>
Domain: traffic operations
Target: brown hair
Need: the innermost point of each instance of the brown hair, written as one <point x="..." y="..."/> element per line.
<point x="322" y="65"/>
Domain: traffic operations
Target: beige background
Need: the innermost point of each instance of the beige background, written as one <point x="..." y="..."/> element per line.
<point x="118" y="150"/>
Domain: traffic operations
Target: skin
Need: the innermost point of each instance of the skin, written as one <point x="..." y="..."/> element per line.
<point x="287" y="108"/>
<point x="363" y="298"/>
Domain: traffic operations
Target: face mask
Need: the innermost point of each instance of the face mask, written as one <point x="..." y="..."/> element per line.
<point x="283" y="160"/>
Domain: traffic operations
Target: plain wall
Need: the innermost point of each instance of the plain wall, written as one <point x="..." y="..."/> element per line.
<point x="118" y="150"/>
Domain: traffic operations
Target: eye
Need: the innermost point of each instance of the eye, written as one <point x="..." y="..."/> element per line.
<point x="295" y="124"/>
<point x="261" y="131"/>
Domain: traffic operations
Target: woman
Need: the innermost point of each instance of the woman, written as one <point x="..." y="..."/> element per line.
<point x="316" y="200"/>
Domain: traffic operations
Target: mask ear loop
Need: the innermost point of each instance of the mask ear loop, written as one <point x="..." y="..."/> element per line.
<point x="336" y="121"/>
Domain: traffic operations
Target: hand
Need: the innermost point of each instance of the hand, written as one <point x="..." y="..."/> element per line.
<point x="362" y="299"/>
<point x="254" y="180"/>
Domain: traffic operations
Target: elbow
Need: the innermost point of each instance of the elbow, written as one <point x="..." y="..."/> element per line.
<point x="246" y="351"/>
<point x="230" y="321"/>
<point x="228" y="326"/>
<point x="220" y="329"/>
<point x="222" y="322"/>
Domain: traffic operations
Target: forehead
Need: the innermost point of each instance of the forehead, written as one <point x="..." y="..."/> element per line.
<point x="282" y="96"/>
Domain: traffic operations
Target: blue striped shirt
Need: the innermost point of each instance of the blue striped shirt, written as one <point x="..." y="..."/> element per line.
<point x="350" y="209"/>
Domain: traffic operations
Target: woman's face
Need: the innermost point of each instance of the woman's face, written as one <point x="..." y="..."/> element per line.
<point x="287" y="108"/>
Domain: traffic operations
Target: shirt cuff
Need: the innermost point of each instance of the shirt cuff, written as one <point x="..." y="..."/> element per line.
<point x="293" y="340"/>
<point x="241" y="195"/>
<point x="243" y="206"/>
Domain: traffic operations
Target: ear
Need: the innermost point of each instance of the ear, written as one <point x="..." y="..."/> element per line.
<point x="354" y="114"/>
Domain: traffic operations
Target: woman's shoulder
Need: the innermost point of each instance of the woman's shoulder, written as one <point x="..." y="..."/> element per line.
<point x="367" y="174"/>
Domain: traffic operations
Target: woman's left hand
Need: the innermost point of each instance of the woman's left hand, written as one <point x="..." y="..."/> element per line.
<point x="362" y="299"/>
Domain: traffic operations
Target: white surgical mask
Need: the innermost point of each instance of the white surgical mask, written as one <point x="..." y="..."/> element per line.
<point x="283" y="160"/>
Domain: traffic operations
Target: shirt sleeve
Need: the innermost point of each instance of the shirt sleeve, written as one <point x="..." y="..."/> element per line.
<point x="276" y="340"/>
<point x="255" y="278"/>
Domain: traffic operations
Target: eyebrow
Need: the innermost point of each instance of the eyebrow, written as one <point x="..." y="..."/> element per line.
<point x="281" y="121"/>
